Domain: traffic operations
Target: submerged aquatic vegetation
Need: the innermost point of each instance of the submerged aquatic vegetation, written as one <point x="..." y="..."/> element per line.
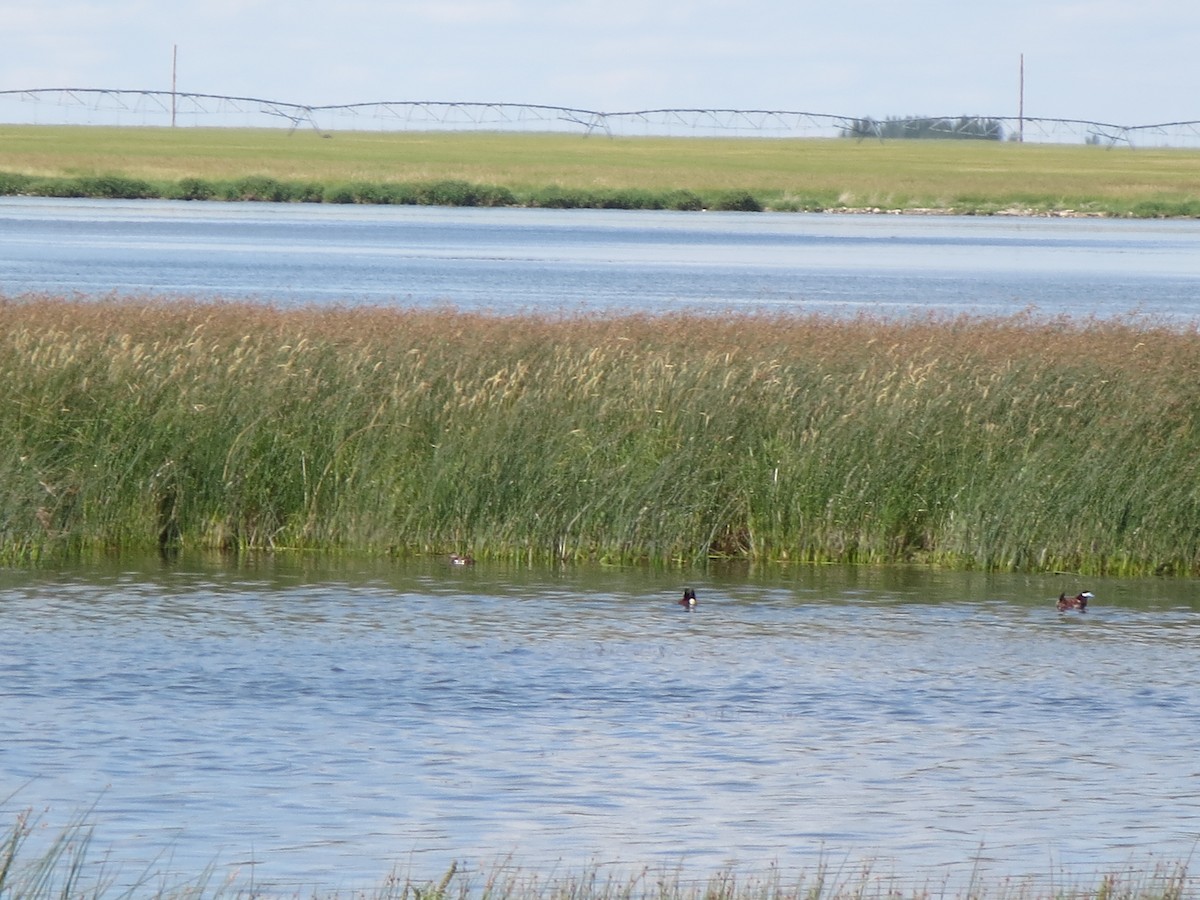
<point x="1008" y="443"/>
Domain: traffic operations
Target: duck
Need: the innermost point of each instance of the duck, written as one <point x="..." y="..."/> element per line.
<point x="1079" y="601"/>
<point x="688" y="599"/>
<point x="456" y="560"/>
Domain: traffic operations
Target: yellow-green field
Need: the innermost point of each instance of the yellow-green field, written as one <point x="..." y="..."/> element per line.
<point x="967" y="176"/>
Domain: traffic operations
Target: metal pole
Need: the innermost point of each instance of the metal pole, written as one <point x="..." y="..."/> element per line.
<point x="174" y="73"/>
<point x="1021" y="105"/>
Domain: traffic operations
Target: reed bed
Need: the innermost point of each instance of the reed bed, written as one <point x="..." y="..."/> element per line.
<point x="1012" y="443"/>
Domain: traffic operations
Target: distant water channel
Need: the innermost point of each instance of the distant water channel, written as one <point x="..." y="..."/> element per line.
<point x="317" y="726"/>
<point x="599" y="260"/>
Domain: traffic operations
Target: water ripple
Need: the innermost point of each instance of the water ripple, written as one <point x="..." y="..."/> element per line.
<point x="329" y="727"/>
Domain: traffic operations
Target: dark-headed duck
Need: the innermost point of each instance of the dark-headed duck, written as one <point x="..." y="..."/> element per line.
<point x="456" y="560"/>
<point x="1079" y="601"/>
<point x="688" y="599"/>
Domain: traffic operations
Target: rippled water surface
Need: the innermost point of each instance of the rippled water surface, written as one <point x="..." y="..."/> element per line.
<point x="320" y="726"/>
<point x="566" y="260"/>
<point x="303" y="726"/>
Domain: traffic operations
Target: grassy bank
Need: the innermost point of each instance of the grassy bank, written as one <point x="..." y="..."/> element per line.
<point x="1007" y="444"/>
<point x="570" y="170"/>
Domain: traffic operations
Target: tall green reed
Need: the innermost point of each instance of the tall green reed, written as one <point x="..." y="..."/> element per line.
<point x="994" y="443"/>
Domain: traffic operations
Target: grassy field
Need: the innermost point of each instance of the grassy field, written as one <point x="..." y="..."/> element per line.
<point x="553" y="169"/>
<point x="1004" y="444"/>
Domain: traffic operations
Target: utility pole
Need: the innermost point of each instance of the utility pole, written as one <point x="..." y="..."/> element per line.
<point x="174" y="73"/>
<point x="1021" y="104"/>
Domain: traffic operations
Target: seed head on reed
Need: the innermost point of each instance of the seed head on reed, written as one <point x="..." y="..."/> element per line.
<point x="1009" y="443"/>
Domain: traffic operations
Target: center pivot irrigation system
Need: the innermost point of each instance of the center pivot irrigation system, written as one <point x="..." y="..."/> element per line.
<point x="99" y="106"/>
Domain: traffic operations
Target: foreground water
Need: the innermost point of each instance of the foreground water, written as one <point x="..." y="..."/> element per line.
<point x="317" y="726"/>
<point x="510" y="260"/>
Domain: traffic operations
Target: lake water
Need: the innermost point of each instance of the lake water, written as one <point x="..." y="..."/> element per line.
<point x="302" y="726"/>
<point x="315" y="726"/>
<point x="569" y="260"/>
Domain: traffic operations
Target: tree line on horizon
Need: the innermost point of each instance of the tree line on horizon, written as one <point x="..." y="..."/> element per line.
<point x="926" y="128"/>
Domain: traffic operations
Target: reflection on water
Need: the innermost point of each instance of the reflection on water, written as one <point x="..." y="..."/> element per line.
<point x="320" y="726"/>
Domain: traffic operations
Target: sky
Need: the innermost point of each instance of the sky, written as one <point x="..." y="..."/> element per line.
<point x="1124" y="62"/>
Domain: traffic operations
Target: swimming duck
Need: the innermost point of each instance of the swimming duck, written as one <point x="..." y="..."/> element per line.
<point x="1079" y="601"/>
<point x="688" y="599"/>
<point x="456" y="560"/>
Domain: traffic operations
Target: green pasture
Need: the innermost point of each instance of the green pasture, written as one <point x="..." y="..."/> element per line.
<point x="1008" y="444"/>
<point x="595" y="170"/>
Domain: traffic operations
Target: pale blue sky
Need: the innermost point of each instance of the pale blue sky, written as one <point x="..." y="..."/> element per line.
<point x="1127" y="62"/>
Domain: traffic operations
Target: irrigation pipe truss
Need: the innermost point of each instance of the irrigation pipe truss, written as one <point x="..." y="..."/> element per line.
<point x="150" y="107"/>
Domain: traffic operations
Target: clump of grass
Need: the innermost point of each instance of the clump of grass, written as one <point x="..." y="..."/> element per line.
<point x="738" y="201"/>
<point x="192" y="189"/>
<point x="62" y="868"/>
<point x="823" y="882"/>
<point x="261" y="188"/>
<point x="1010" y="443"/>
<point x="108" y="187"/>
<point x="55" y="871"/>
<point x="264" y="188"/>
<point x="14" y="183"/>
<point x="1164" y="208"/>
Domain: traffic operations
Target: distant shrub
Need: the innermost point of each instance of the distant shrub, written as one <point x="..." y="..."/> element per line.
<point x="463" y="193"/>
<point x="193" y="189"/>
<point x="737" y="201"/>
<point x="12" y="183"/>
<point x="807" y="202"/>
<point x="255" y="187"/>
<point x="683" y="200"/>
<point x="438" y="193"/>
<point x="369" y="192"/>
<point x="339" y="193"/>
<point x="926" y="128"/>
<point x="307" y="192"/>
<point x="556" y="197"/>
<point x="632" y="198"/>
<point x="114" y="187"/>
<point x="265" y="189"/>
<point x="1163" y="209"/>
<point x="395" y="193"/>
<point x="56" y="187"/>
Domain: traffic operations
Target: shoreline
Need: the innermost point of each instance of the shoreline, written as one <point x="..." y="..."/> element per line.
<point x="833" y="175"/>
<point x="1009" y="212"/>
<point x="741" y="203"/>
